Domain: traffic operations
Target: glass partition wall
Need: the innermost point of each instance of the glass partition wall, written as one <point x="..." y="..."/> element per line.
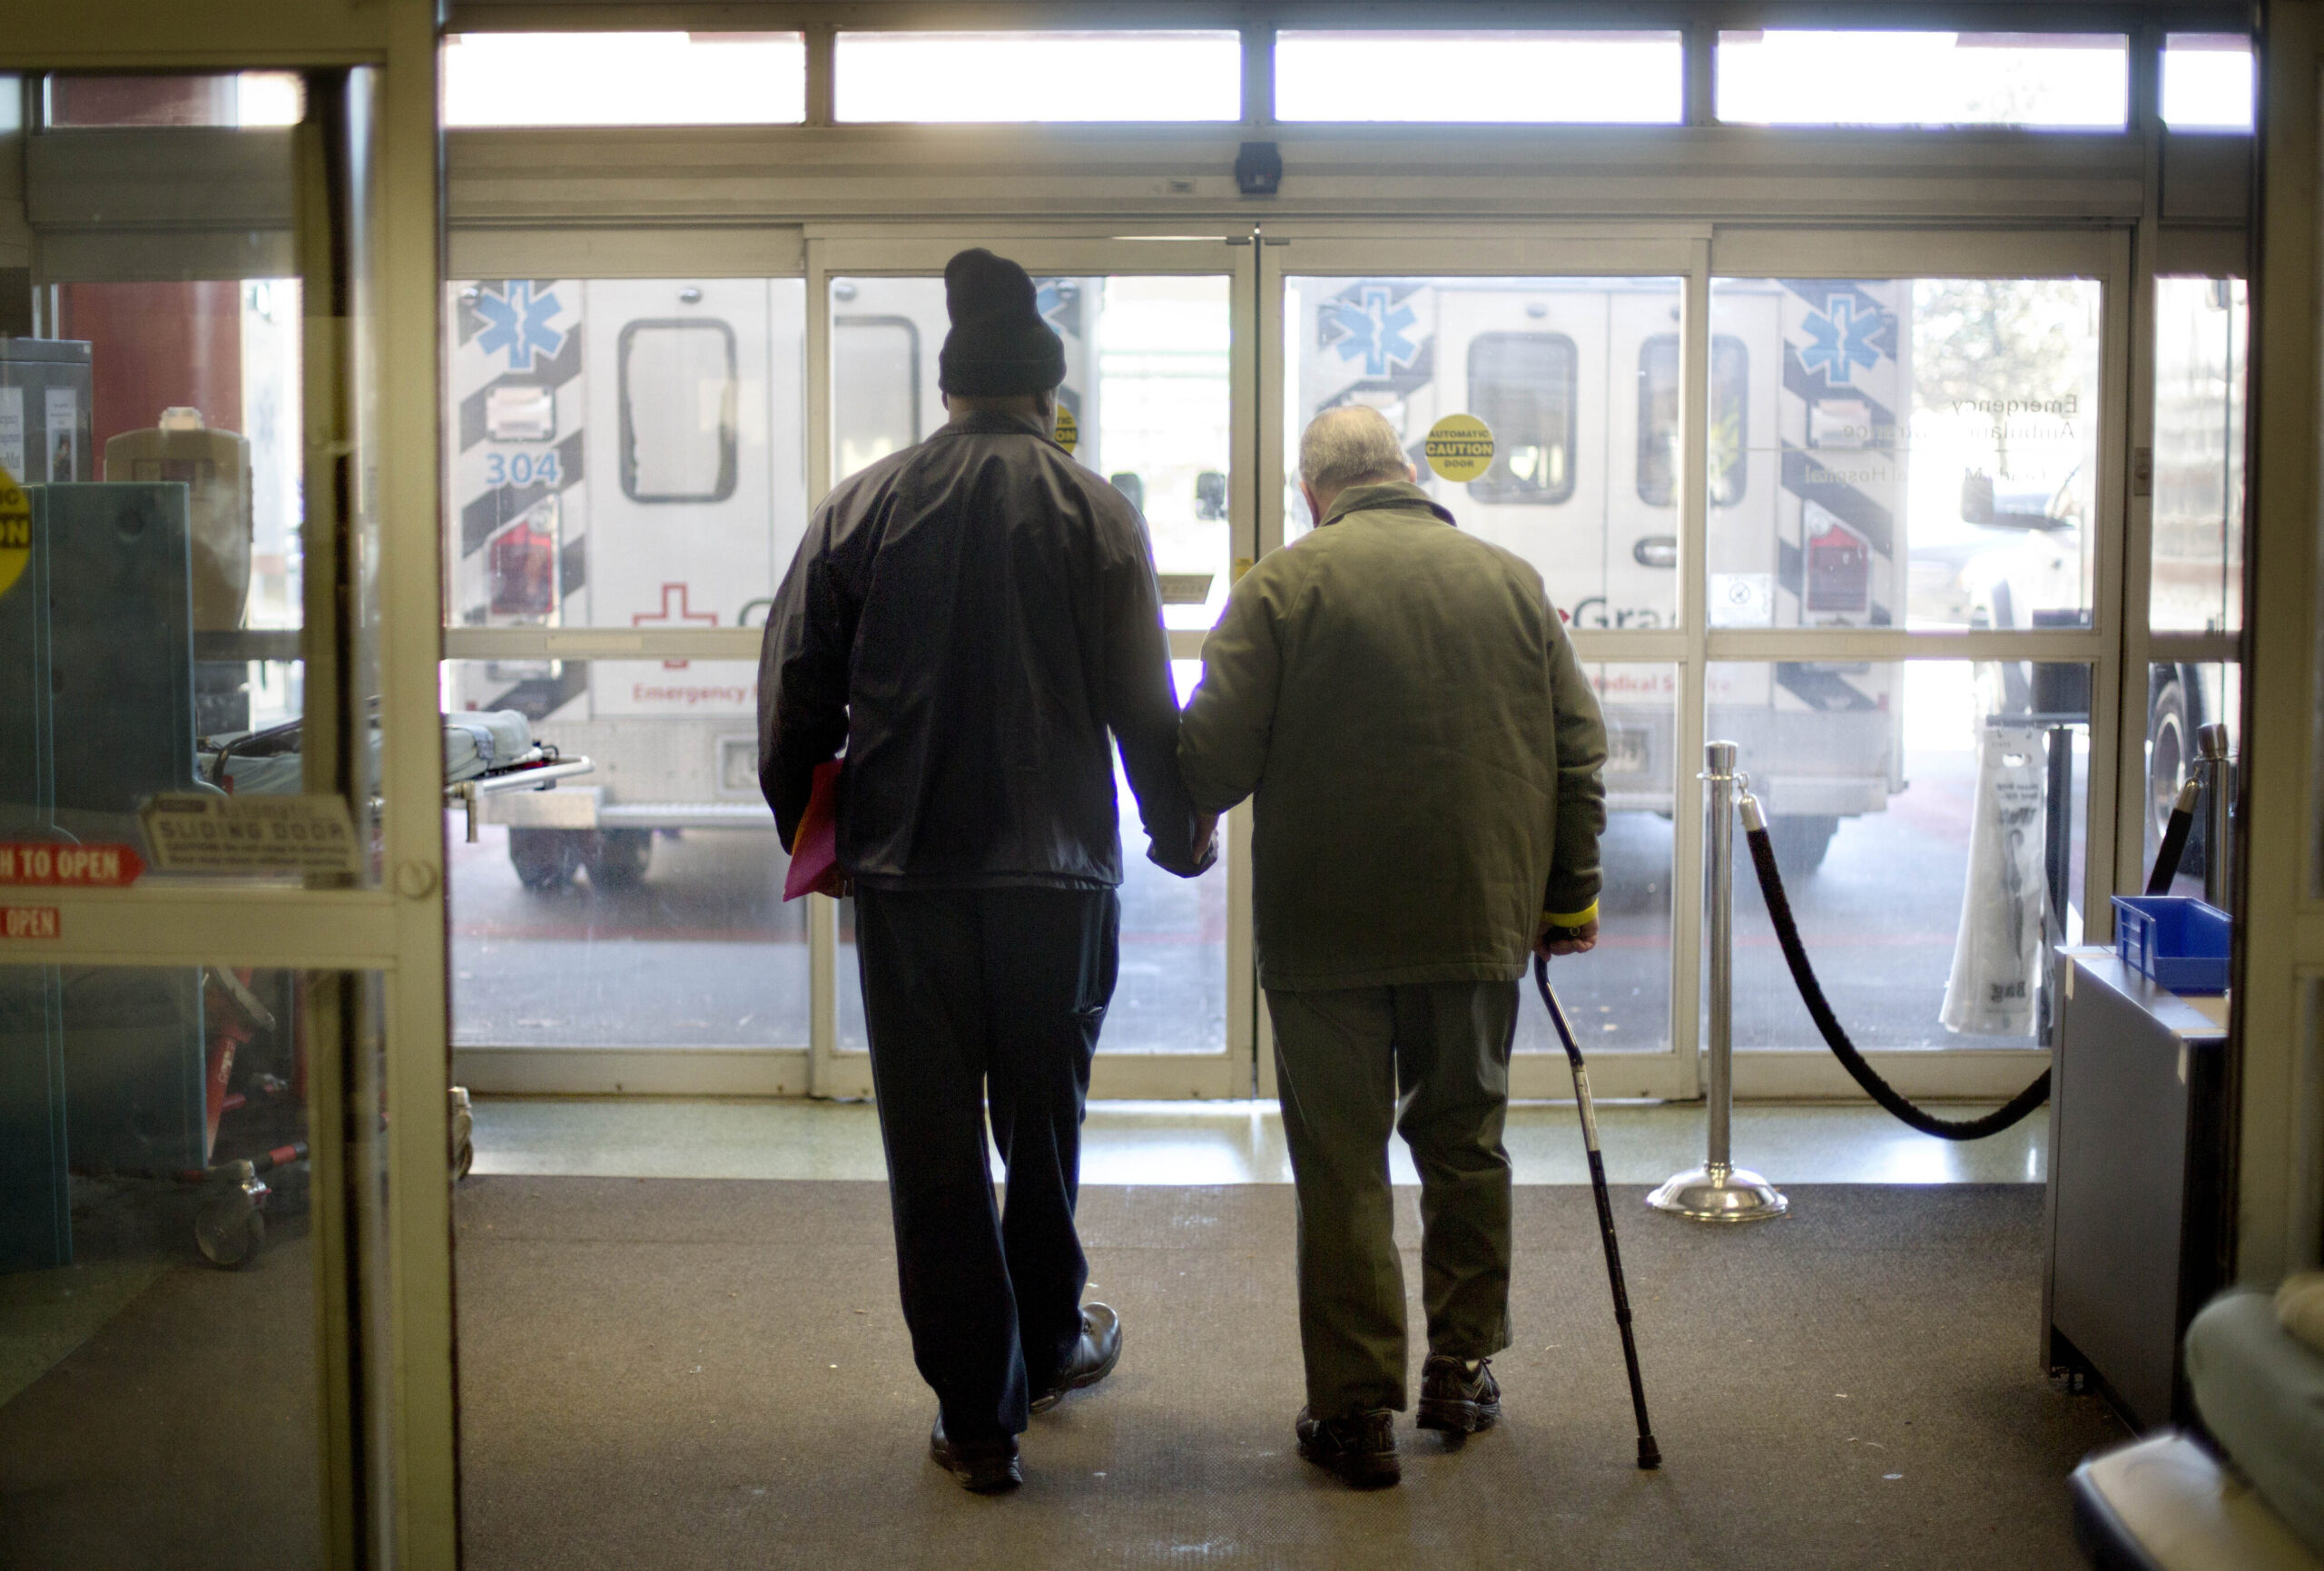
<point x="1853" y="502"/>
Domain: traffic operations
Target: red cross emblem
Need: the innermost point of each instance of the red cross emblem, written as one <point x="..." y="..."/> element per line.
<point x="672" y="614"/>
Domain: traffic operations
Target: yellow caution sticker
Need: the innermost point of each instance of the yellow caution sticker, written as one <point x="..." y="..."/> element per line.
<point x="1068" y="429"/>
<point x="16" y="531"/>
<point x="1459" y="446"/>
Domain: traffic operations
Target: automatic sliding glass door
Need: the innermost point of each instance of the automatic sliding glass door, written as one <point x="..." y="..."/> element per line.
<point x="1155" y="400"/>
<point x="1569" y="355"/>
<point x="1867" y="527"/>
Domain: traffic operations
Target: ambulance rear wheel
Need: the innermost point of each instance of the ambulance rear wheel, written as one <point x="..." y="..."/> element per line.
<point x="544" y="859"/>
<point x="1800" y="841"/>
<point x="619" y="859"/>
<point x="2170" y="752"/>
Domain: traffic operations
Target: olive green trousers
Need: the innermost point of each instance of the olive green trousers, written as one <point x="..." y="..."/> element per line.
<point x="1431" y="1062"/>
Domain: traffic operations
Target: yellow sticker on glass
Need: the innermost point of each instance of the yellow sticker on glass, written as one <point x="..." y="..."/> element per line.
<point x="1068" y="429"/>
<point x="1459" y="446"/>
<point x="16" y="531"/>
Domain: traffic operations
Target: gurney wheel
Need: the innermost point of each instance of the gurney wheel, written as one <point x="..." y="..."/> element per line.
<point x="463" y="1159"/>
<point x="228" y="1231"/>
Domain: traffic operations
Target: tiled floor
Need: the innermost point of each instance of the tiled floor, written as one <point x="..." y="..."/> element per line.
<point x="1230" y="1142"/>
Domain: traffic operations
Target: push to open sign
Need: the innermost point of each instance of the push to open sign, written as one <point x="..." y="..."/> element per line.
<point x="42" y="866"/>
<point x="30" y="922"/>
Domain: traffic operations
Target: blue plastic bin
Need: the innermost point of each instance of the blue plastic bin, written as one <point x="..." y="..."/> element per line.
<point x="2178" y="941"/>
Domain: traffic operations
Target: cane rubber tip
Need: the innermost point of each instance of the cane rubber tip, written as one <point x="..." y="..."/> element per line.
<point x="1650" y="1455"/>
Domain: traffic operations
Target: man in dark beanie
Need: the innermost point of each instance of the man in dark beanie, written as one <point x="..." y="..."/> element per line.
<point x="970" y="618"/>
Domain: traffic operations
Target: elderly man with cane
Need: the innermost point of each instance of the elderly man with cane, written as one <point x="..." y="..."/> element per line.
<point x="1425" y="757"/>
<point x="972" y="618"/>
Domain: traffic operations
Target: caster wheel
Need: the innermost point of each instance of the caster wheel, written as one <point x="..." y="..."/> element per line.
<point x="463" y="1160"/>
<point x="229" y="1232"/>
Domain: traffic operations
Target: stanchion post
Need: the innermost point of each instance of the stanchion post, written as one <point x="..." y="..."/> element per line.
<point x="1718" y="912"/>
<point x="2218" y="789"/>
<point x="1719" y="1191"/>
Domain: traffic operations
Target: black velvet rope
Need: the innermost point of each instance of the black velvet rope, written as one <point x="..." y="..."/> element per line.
<point x="2174" y="848"/>
<point x="1811" y="993"/>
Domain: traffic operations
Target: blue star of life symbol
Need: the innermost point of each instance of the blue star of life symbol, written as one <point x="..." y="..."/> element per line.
<point x="518" y="323"/>
<point x="1842" y="335"/>
<point x="1371" y="326"/>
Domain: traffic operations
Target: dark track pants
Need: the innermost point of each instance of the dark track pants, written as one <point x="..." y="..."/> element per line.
<point x="982" y="1000"/>
<point x="1429" y="1061"/>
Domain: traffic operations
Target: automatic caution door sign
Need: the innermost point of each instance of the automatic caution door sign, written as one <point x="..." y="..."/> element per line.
<point x="16" y="531"/>
<point x="1459" y="448"/>
<point x="1068" y="429"/>
<point x="189" y="832"/>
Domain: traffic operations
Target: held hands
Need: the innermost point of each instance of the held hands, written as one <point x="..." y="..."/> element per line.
<point x="1578" y="940"/>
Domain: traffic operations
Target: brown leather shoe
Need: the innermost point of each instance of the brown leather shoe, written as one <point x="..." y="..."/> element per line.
<point x="1453" y="1400"/>
<point x="982" y="1466"/>
<point x="1361" y="1449"/>
<point x="1094" y="1356"/>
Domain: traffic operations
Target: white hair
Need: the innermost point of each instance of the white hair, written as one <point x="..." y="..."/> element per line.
<point x="1352" y="444"/>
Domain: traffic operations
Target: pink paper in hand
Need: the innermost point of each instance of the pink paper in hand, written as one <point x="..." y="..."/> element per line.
<point x="814" y="849"/>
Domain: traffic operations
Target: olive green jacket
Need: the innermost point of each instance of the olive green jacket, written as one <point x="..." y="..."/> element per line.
<point x="1424" y="750"/>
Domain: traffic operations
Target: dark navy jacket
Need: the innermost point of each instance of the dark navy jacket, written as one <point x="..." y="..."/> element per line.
<point x="971" y="617"/>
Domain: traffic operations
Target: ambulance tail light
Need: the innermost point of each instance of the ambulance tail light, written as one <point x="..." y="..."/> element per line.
<point x="1839" y="573"/>
<point x="522" y="567"/>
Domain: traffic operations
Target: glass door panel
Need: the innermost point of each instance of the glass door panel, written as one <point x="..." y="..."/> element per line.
<point x="1149" y="403"/>
<point x="623" y="453"/>
<point x="1914" y="453"/>
<point x="1619" y="996"/>
<point x="626" y="481"/>
<point x="2200" y="361"/>
<point x="206" y="771"/>
<point x="1574" y="377"/>
<point x="1923" y="910"/>
<point x="156" y="418"/>
<point x="1146" y="401"/>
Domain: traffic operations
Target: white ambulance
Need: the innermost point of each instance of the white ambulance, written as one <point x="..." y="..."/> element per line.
<point x="628" y="454"/>
<point x="1578" y="380"/>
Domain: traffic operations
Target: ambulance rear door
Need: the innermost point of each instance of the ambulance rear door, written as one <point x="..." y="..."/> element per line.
<point x="1528" y="356"/>
<point x="685" y="526"/>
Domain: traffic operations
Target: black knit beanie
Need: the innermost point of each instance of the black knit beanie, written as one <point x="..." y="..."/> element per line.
<point x="999" y="343"/>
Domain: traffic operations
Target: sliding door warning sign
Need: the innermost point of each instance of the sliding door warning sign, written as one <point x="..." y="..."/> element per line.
<point x="30" y="922"/>
<point x="189" y="832"/>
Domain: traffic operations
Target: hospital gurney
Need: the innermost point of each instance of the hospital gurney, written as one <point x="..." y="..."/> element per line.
<point x="486" y="752"/>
